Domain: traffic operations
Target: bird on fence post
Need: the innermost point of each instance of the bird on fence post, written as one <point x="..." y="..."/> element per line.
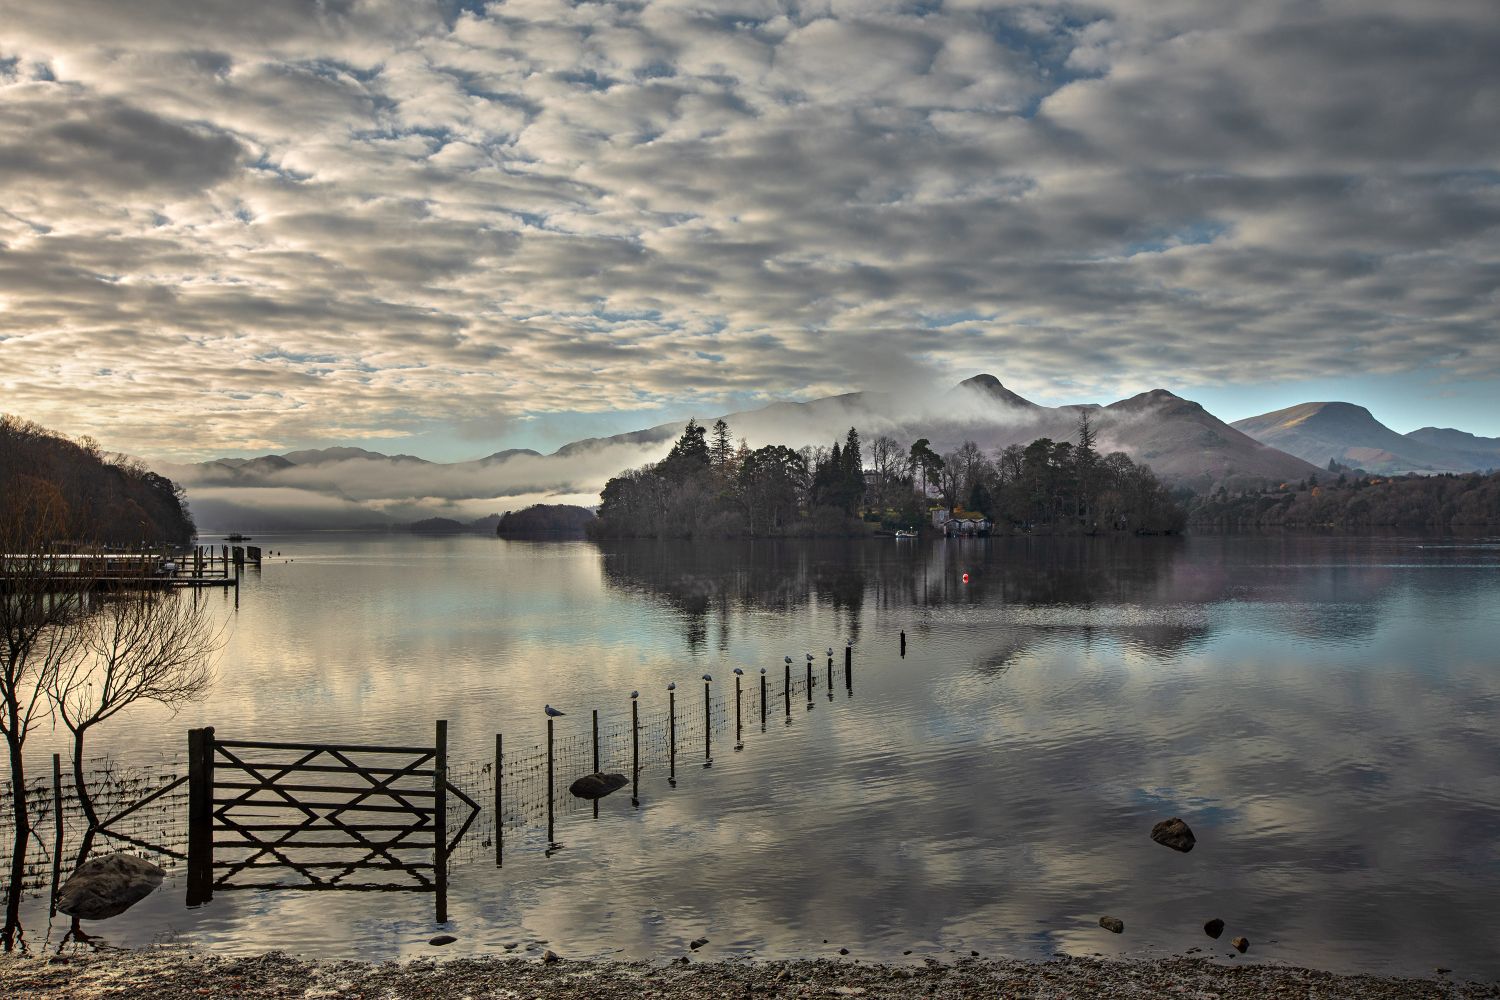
<point x="739" y="743"/>
<point x="552" y="714"/>
<point x="708" y="719"/>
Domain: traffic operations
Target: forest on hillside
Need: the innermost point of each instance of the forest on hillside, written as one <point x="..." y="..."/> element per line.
<point x="85" y="495"/>
<point x="709" y="487"/>
<point x="1343" y="500"/>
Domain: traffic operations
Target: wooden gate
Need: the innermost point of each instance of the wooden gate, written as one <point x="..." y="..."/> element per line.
<point x="319" y="816"/>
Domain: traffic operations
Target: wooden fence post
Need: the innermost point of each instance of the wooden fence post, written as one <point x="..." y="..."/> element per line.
<point x="672" y="733"/>
<point x="440" y="821"/>
<point x="57" y="816"/>
<point x="500" y="811"/>
<point x="708" y="721"/>
<point x="596" y="756"/>
<point x="635" y="749"/>
<point x="200" y="879"/>
<point x="551" y="824"/>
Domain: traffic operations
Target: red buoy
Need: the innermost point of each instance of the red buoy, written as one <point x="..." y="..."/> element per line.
<point x="966" y="578"/>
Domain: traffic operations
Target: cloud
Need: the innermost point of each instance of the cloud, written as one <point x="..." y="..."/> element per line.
<point x="363" y="219"/>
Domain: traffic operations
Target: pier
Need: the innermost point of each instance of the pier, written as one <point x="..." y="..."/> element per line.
<point x="128" y="569"/>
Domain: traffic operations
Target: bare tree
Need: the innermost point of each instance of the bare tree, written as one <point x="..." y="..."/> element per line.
<point x="144" y="645"/>
<point x="35" y="615"/>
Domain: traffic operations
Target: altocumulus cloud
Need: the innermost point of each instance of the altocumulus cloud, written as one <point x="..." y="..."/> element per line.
<point x="251" y="225"/>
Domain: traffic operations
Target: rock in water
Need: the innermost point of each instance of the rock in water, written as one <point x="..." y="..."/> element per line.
<point x="1214" y="928"/>
<point x="697" y="943"/>
<point x="551" y="957"/>
<point x="596" y="786"/>
<point x="1241" y="945"/>
<point x="442" y="939"/>
<point x="106" y="887"/>
<point x="1112" y="924"/>
<point x="1174" y="833"/>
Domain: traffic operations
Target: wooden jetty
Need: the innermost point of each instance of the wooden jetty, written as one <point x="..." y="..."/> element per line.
<point x="129" y="569"/>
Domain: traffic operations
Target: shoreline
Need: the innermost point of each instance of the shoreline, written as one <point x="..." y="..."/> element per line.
<point x="175" y="972"/>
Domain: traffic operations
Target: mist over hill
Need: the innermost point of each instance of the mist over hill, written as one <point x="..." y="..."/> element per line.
<point x="352" y="487"/>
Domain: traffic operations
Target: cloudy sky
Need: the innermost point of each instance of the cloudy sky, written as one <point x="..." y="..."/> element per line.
<point x="449" y="228"/>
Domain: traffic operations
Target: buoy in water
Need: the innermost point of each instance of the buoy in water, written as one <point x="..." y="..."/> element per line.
<point x="966" y="578"/>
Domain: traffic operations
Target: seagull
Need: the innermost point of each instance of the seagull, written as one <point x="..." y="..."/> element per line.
<point x="809" y="656"/>
<point x="762" y="669"/>
<point x="635" y="694"/>
<point x="830" y="650"/>
<point x="672" y="686"/>
<point x="848" y="643"/>
<point x="554" y="713"/>
<point x="787" y="658"/>
<point x="739" y="672"/>
<point x="708" y="677"/>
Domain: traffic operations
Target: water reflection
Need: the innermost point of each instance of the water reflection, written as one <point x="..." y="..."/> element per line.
<point x="1320" y="709"/>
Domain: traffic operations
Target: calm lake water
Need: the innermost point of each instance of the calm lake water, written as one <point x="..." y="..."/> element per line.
<point x="1322" y="712"/>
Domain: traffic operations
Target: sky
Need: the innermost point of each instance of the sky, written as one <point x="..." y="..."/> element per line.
<point x="230" y="228"/>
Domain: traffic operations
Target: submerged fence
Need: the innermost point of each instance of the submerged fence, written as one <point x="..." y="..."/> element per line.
<point x="258" y="814"/>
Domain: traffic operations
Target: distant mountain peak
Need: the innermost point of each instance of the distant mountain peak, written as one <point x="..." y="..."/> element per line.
<point x="992" y="387"/>
<point x="1153" y="399"/>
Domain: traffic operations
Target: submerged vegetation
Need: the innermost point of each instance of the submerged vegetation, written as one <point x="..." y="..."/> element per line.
<point x="709" y="487"/>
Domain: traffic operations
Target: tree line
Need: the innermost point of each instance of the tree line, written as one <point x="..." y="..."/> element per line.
<point x="708" y="486"/>
<point x="1343" y="499"/>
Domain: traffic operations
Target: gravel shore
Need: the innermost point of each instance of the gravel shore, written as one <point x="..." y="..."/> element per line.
<point x="166" y="974"/>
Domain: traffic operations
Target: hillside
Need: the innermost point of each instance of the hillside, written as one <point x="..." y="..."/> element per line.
<point x="90" y="497"/>
<point x="1479" y="453"/>
<point x="1349" y="435"/>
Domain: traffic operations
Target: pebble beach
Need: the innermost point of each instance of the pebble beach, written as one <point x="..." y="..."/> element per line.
<point x="171" y="973"/>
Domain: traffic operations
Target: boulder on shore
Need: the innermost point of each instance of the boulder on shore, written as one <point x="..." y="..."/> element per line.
<point x="1214" y="928"/>
<point x="1241" y="944"/>
<point x="106" y="887"/>
<point x="1112" y="924"/>
<point x="1174" y="833"/>
<point x="596" y="786"/>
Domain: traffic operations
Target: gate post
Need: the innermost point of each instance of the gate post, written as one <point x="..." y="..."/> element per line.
<point x="440" y="821"/>
<point x="200" y="880"/>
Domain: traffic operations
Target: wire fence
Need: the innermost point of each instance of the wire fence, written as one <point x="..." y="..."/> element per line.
<point x="693" y="725"/>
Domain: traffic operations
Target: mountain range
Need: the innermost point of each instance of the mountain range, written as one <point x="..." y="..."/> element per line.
<point x="1350" y="435"/>
<point x="1178" y="438"/>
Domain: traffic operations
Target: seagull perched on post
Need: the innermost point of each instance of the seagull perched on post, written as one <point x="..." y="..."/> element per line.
<point x="809" y="656"/>
<point x="787" y="659"/>
<point x="554" y="713"/>
<point x="762" y="669"/>
<point x="708" y="677"/>
<point x="672" y="686"/>
<point x="635" y="694"/>
<point x="738" y="671"/>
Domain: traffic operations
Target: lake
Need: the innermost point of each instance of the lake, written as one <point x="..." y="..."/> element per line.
<point x="1320" y="710"/>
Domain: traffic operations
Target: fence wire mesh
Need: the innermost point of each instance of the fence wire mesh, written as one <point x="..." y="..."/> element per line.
<point x="661" y="732"/>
